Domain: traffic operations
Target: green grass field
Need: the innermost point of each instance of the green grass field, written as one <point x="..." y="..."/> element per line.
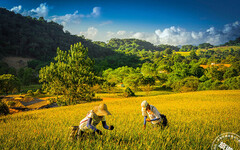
<point x="195" y="120"/>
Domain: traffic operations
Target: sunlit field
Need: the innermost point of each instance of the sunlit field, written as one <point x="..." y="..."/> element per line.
<point x="214" y="49"/>
<point x="138" y="94"/>
<point x="195" y="120"/>
<point x="183" y="53"/>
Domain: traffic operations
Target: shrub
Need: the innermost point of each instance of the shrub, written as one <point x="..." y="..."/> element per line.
<point x="128" y="92"/>
<point x="8" y="83"/>
<point x="216" y="85"/>
<point x="4" y="110"/>
<point x="52" y="100"/>
<point x="232" y="83"/>
<point x="203" y="78"/>
<point x="96" y="88"/>
<point x="30" y="93"/>
<point x="212" y="85"/>
<point x="107" y="86"/>
<point x="187" y="84"/>
<point x="38" y="92"/>
<point x="205" y="85"/>
<point x="11" y="103"/>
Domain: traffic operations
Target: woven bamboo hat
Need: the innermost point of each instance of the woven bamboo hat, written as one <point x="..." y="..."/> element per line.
<point x="101" y="110"/>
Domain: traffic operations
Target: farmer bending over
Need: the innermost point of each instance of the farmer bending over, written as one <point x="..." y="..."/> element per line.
<point x="153" y="113"/>
<point x="93" y="118"/>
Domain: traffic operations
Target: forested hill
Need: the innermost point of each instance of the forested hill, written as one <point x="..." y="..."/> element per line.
<point x="37" y="38"/>
<point x="131" y="44"/>
<point x="235" y="42"/>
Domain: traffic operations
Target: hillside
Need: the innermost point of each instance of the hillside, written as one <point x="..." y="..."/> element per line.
<point x="217" y="48"/>
<point x="235" y="42"/>
<point x="195" y="120"/>
<point x="37" y="38"/>
<point x="136" y="44"/>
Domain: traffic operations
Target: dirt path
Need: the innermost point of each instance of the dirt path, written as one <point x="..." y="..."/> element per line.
<point x="37" y="103"/>
<point x="16" y="62"/>
<point x="42" y="102"/>
<point x="31" y="102"/>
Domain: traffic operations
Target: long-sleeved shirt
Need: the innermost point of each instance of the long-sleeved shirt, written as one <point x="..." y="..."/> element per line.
<point x="91" y="120"/>
<point x="153" y="114"/>
<point x="90" y="126"/>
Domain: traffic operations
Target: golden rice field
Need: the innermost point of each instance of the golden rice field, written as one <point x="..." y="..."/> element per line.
<point x="195" y="120"/>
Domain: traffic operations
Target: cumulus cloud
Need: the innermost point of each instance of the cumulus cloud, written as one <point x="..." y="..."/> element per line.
<point x="41" y="11"/>
<point x="96" y="12"/>
<point x="180" y="36"/>
<point x="151" y="37"/>
<point x="75" y="17"/>
<point x="90" y="33"/>
<point x="17" y="9"/>
<point x="121" y="33"/>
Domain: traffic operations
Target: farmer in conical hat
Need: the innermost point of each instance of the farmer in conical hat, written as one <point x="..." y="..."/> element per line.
<point x="154" y="116"/>
<point x="93" y="118"/>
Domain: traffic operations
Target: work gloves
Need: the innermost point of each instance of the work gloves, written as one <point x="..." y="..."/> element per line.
<point x="111" y="127"/>
<point x="148" y="120"/>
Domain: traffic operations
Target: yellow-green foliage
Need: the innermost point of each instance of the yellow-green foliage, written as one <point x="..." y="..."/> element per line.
<point x="215" y="48"/>
<point x="195" y="120"/>
<point x="183" y="53"/>
<point x="222" y="48"/>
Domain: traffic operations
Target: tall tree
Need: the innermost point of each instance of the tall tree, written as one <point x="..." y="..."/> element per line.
<point x="71" y="75"/>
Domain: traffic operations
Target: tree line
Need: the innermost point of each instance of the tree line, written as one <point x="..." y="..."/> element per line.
<point x="72" y="74"/>
<point x="133" y="63"/>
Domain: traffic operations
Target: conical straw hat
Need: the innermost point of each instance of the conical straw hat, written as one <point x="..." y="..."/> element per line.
<point x="144" y="104"/>
<point x="101" y="110"/>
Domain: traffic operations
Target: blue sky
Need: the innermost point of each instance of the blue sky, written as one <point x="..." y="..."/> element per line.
<point x="175" y="22"/>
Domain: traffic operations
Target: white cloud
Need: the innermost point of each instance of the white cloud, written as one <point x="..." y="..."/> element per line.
<point x="17" y="9"/>
<point x="75" y="17"/>
<point x="96" y="12"/>
<point x="179" y="36"/>
<point x="90" y="33"/>
<point x="41" y="11"/>
<point x="121" y="33"/>
<point x="110" y="35"/>
<point x="151" y="37"/>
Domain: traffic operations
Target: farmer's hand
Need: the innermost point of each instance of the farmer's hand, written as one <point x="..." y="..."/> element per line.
<point x="144" y="127"/>
<point x="99" y="132"/>
<point x="148" y="120"/>
<point x="111" y="127"/>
